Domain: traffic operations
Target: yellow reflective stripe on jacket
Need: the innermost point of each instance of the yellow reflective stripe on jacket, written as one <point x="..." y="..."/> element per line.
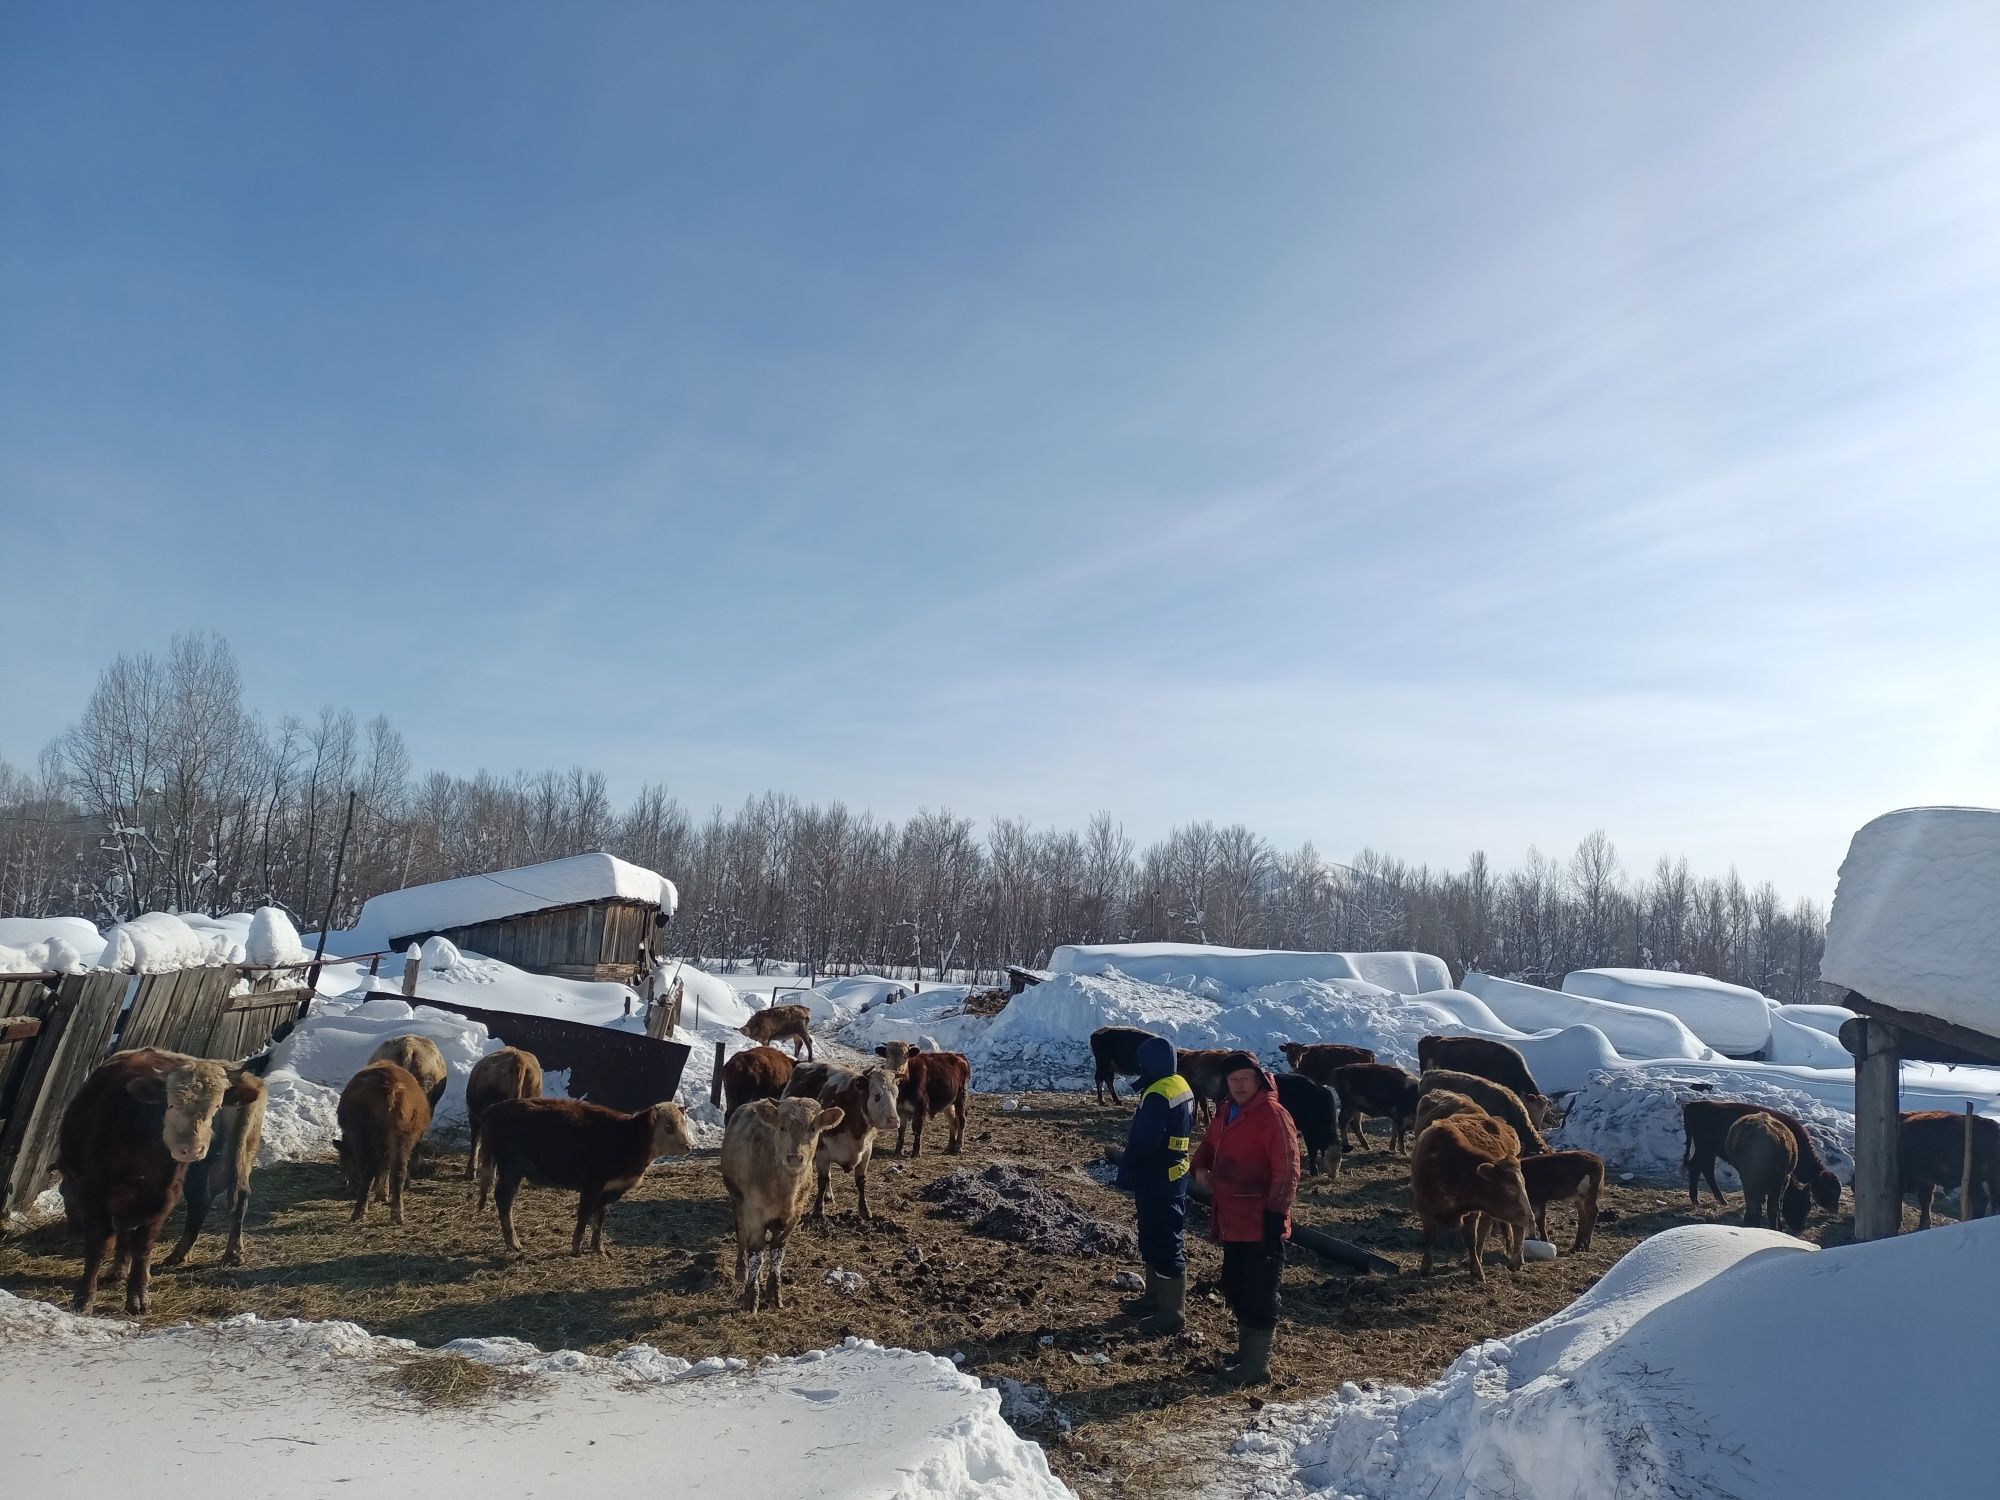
<point x="1174" y="1089"/>
<point x="1177" y="1143"/>
<point x="1177" y="1171"/>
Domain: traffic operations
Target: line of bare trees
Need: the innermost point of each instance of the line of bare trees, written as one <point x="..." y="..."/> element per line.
<point x="169" y="793"/>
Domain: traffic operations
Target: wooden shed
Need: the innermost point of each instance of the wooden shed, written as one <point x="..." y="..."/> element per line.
<point x="587" y="917"/>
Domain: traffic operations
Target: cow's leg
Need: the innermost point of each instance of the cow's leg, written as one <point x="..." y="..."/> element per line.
<point x="239" y="1209"/>
<point x="1541" y="1221"/>
<point x="1925" y="1192"/>
<point x="399" y="1173"/>
<point x="818" y="1214"/>
<point x="1694" y="1176"/>
<point x="1708" y="1171"/>
<point x="776" y="1263"/>
<point x="1465" y="1228"/>
<point x="121" y="1254"/>
<point x="586" y="1209"/>
<point x="472" y="1151"/>
<point x="748" y="1302"/>
<point x="139" y="1281"/>
<point x="916" y="1118"/>
<point x="97" y="1240"/>
<point x="1430" y="1233"/>
<point x="809" y="1047"/>
<point x="861" y="1185"/>
<point x="957" y="1142"/>
<point x="1348" y="1117"/>
<point x="503" y="1199"/>
<point x="195" y="1194"/>
<point x="366" y="1169"/>
<point x="902" y="1125"/>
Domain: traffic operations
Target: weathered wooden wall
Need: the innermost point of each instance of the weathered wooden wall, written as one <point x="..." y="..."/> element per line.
<point x="604" y="940"/>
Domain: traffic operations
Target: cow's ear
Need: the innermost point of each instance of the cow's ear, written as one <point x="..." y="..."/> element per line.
<point x="831" y="1117"/>
<point x="243" y="1087"/>
<point x="147" y="1088"/>
<point x="883" y="1050"/>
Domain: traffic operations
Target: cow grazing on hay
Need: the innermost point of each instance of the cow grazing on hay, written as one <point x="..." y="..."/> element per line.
<point x="420" y="1058"/>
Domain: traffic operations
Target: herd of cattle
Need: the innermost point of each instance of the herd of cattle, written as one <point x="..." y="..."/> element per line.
<point x="149" y="1125"/>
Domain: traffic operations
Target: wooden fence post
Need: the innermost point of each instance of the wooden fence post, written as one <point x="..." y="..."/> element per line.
<point x="1878" y="1187"/>
<point x="715" y="1079"/>
<point x="413" y="963"/>
<point x="1965" y="1179"/>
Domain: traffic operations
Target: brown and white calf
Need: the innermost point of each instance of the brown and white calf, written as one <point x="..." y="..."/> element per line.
<point x="383" y="1113"/>
<point x="754" y="1073"/>
<point x="782" y="1023"/>
<point x="124" y="1147"/>
<point x="599" y="1154"/>
<point x="232" y="1154"/>
<point x="419" y="1057"/>
<point x="768" y="1151"/>
<point x="1464" y="1172"/>
<point x="1563" y="1176"/>
<point x="497" y="1077"/>
<point x="867" y="1102"/>
<point x="934" y="1083"/>
<point x="1318" y="1060"/>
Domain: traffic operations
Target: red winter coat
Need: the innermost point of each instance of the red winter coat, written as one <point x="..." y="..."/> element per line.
<point x="1254" y="1164"/>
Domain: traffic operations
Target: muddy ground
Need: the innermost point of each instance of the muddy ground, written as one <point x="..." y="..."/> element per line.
<point x="1125" y="1417"/>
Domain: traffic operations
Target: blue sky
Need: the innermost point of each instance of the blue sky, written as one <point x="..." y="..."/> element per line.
<point x="1433" y="427"/>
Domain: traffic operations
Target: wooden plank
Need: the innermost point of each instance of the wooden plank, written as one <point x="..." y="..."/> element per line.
<point x="202" y="1004"/>
<point x="1878" y="1120"/>
<point x="76" y="1036"/>
<point x="152" y="1005"/>
<point x="20" y="1028"/>
<point x="1927" y="1039"/>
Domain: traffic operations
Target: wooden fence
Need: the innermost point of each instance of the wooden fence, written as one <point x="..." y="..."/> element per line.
<point x="54" y="1029"/>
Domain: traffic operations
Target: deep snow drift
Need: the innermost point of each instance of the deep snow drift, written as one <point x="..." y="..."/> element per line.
<point x="1728" y="1017"/>
<point x="1194" y="965"/>
<point x="1634" y="1030"/>
<point x="311" y="1409"/>
<point x="1702" y="1365"/>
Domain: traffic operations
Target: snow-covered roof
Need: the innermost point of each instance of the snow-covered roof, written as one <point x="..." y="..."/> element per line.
<point x="1916" y="916"/>
<point x="471" y="899"/>
<point x="1729" y="1017"/>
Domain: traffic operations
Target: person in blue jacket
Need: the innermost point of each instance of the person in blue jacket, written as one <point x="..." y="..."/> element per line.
<point x="1154" y="1170"/>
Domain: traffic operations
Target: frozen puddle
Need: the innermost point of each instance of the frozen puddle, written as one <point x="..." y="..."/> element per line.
<point x="307" y="1409"/>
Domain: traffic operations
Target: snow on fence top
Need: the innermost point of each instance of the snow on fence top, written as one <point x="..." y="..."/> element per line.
<point x="1205" y="969"/>
<point x="1916" y="916"/>
<point x="472" y="899"/>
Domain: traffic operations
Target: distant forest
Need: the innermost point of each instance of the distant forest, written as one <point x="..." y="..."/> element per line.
<point x="169" y="793"/>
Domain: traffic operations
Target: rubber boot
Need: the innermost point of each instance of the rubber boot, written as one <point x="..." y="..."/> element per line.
<point x="1252" y="1365"/>
<point x="1146" y="1301"/>
<point x="1171" y="1292"/>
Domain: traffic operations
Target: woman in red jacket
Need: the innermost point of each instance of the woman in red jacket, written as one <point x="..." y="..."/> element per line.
<point x="1249" y="1162"/>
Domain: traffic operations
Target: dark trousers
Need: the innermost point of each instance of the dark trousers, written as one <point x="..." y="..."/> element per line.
<point x="1162" y="1218"/>
<point x="1250" y="1282"/>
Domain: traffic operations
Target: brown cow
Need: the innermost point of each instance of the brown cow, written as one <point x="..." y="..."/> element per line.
<point x="124" y="1147"/>
<point x="1441" y="1104"/>
<point x="1206" y="1070"/>
<point x="782" y="1023"/>
<point x="232" y="1154"/>
<point x="383" y="1113"/>
<point x="1496" y="1099"/>
<point x="1557" y="1176"/>
<point x="1498" y="1062"/>
<point x="933" y="1082"/>
<point x="867" y="1103"/>
<point x="1464" y="1171"/>
<point x="509" y="1073"/>
<point x="898" y="1054"/>
<point x="1762" y="1151"/>
<point x="1707" y="1122"/>
<point x="768" y="1150"/>
<point x="1375" y="1089"/>
<point x="419" y="1057"/>
<point x="599" y="1154"/>
<point x="753" y="1073"/>
<point x="1318" y="1060"/>
<point x="1930" y="1153"/>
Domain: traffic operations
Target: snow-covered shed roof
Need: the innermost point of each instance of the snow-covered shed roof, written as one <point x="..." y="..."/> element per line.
<point x="472" y="899"/>
<point x="1916" y="917"/>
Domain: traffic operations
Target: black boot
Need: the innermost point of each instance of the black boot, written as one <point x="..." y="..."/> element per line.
<point x="1171" y="1293"/>
<point x="1252" y="1365"/>
<point x="1146" y="1301"/>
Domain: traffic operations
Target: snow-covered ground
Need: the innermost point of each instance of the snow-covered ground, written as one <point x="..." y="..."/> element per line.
<point x="1689" y="1371"/>
<point x="312" y="1409"/>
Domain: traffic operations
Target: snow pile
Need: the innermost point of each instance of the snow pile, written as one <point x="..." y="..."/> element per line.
<point x="438" y="953"/>
<point x="1803" y="1045"/>
<point x="1728" y="1017"/>
<point x="1632" y="1117"/>
<point x="318" y="1401"/>
<point x="1912" y="924"/>
<point x="74" y="934"/>
<point x="1688" y="1371"/>
<point x="273" y="940"/>
<point x="159" y="942"/>
<point x="420" y="910"/>
<point x="1210" y="970"/>
<point x="1635" y="1031"/>
<point x="465" y="978"/>
<point x="49" y="956"/>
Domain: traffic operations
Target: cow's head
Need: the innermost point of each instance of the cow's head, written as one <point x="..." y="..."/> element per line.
<point x="897" y="1054"/>
<point x="1293" y="1051"/>
<point x="670" y="1131"/>
<point x="799" y="1123"/>
<point x="1797" y="1204"/>
<point x="1543" y="1111"/>
<point x="1503" y="1193"/>
<point x="190" y="1094"/>
<point x="879" y="1088"/>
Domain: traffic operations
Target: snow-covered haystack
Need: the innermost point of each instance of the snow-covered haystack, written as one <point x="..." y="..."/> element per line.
<point x="852" y="1421"/>
<point x="1695" y="1368"/>
<point x="1729" y="1017"/>
<point x="1634" y="1030"/>
<point x="1204" y="969"/>
<point x="1632" y="1117"/>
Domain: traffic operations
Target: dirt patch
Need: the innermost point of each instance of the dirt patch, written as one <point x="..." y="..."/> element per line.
<point x="1015" y="1203"/>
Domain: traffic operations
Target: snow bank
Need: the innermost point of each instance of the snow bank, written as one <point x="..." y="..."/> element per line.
<point x="1912" y="921"/>
<point x="273" y="940"/>
<point x="1204" y="969"/>
<point x="78" y="936"/>
<point x="89" y="1402"/>
<point x="159" y="941"/>
<point x="1633" y="1030"/>
<point x="423" y="909"/>
<point x="1632" y="1117"/>
<point x="1728" y="1017"/>
<point x="1688" y="1371"/>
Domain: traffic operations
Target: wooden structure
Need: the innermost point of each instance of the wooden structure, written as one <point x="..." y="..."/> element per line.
<point x="613" y="939"/>
<point x="55" y="1029"/>
<point x="1020" y="978"/>
<point x="618" y="1069"/>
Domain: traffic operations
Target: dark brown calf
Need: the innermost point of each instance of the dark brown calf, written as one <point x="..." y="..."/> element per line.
<point x="600" y="1154"/>
<point x="383" y="1113"/>
<point x="1762" y="1151"/>
<point x="1707" y="1123"/>
<point x="1115" y="1051"/>
<point x="1497" y="1062"/>
<point x="933" y="1082"/>
<point x="124" y="1147"/>
<point x="1207" y="1073"/>
<point x="1375" y="1089"/>
<point x="1558" y="1177"/>
<point x="1318" y="1060"/>
<point x="1930" y="1153"/>
<point x="782" y="1023"/>
<point x="754" y="1073"/>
